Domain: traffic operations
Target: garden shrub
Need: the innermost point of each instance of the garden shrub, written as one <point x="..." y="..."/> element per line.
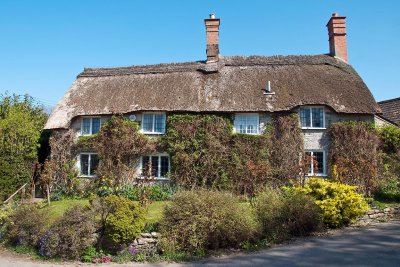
<point x="286" y="148"/>
<point x="26" y="226"/>
<point x="21" y="122"/>
<point x="340" y="203"/>
<point x="353" y="155"/>
<point x="285" y="214"/>
<point x="389" y="190"/>
<point x="249" y="166"/>
<point x="156" y="192"/>
<point x="199" y="150"/>
<point x="71" y="235"/>
<point x="390" y="136"/>
<point x="122" y="220"/>
<point x="196" y="221"/>
<point x="119" y="143"/>
<point x="5" y="212"/>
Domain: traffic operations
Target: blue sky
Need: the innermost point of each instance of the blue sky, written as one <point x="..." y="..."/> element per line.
<point x="44" y="44"/>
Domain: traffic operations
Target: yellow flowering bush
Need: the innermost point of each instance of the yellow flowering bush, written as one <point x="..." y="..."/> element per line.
<point x="340" y="203"/>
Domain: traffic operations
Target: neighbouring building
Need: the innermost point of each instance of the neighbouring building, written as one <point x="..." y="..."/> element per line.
<point x="390" y="111"/>
<point x="323" y="89"/>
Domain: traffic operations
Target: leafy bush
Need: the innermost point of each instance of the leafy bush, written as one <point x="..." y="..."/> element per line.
<point x="389" y="190"/>
<point x="122" y="219"/>
<point x="390" y="136"/>
<point x="353" y="155"/>
<point x="156" y="192"/>
<point x="5" y="212"/>
<point x="71" y="235"/>
<point x="340" y="203"/>
<point x="21" y="121"/>
<point x="196" y="221"/>
<point x="285" y="214"/>
<point x="26" y="225"/>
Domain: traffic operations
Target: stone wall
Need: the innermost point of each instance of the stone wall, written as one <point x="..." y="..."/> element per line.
<point x="377" y="215"/>
<point x="146" y="243"/>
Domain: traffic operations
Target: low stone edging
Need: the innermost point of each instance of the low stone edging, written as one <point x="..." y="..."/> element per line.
<point x="146" y="243"/>
<point x="376" y="215"/>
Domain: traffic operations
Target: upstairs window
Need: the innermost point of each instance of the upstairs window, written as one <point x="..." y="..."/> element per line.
<point x="90" y="126"/>
<point x="156" y="166"/>
<point x="316" y="162"/>
<point x="247" y="123"/>
<point x="153" y="123"/>
<point x="88" y="164"/>
<point x="312" y="117"/>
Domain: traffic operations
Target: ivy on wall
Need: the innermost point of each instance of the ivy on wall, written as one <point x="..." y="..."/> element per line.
<point x="353" y="155"/>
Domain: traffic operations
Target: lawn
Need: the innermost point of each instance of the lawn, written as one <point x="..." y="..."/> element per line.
<point x="57" y="209"/>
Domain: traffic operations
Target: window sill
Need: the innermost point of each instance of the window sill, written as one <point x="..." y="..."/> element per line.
<point x="151" y="133"/>
<point x="87" y="176"/>
<point x="313" y="128"/>
<point x="317" y="175"/>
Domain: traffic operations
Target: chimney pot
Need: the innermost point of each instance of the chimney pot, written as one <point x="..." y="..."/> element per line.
<point x="337" y="37"/>
<point x="212" y="33"/>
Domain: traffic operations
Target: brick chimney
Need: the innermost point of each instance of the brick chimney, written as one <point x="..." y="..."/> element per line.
<point x="337" y="37"/>
<point x="212" y="31"/>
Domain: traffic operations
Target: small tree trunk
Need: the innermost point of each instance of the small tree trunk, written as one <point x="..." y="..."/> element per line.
<point x="48" y="194"/>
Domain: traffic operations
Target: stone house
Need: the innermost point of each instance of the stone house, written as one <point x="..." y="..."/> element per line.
<point x="323" y="89"/>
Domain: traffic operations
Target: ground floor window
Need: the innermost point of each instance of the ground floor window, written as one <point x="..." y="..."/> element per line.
<point x="156" y="166"/>
<point x="316" y="161"/>
<point x="88" y="164"/>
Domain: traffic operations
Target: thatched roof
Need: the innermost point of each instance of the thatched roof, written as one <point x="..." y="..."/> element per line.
<point x="391" y="110"/>
<point x="234" y="84"/>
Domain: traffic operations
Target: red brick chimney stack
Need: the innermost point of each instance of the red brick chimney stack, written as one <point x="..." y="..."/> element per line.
<point x="337" y="36"/>
<point x="212" y="31"/>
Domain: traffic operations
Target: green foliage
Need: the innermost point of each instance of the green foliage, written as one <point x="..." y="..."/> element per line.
<point x="5" y="213"/>
<point x="390" y="136"/>
<point x="196" y="221"/>
<point x="286" y="148"/>
<point x="389" y="190"/>
<point x="340" y="203"/>
<point x="21" y="121"/>
<point x="249" y="166"/>
<point x="353" y="155"/>
<point x="71" y="235"/>
<point x="119" y="143"/>
<point x="199" y="150"/>
<point x="285" y="214"/>
<point x="156" y="192"/>
<point x="26" y="226"/>
<point x="122" y="219"/>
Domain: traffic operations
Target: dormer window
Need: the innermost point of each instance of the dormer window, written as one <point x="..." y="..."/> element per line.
<point x="312" y="117"/>
<point x="90" y="126"/>
<point x="153" y="123"/>
<point x="247" y="123"/>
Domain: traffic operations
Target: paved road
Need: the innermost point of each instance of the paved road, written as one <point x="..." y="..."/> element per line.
<point x="377" y="245"/>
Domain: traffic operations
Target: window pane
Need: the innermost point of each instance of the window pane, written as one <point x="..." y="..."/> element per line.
<point x="94" y="162"/>
<point x="145" y="165"/>
<point x="95" y="125"/>
<point x="147" y="123"/>
<point x="246" y="123"/>
<point x="318" y="117"/>
<point x="86" y="126"/>
<point x="84" y="159"/>
<point x="154" y="166"/>
<point x="308" y="162"/>
<point x="164" y="166"/>
<point x="159" y="126"/>
<point x="319" y="162"/>
<point x="305" y="117"/>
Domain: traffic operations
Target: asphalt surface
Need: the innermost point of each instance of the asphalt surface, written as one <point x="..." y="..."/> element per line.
<point x="377" y="245"/>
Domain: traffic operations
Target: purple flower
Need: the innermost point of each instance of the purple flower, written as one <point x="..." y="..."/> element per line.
<point x="42" y="244"/>
<point x="106" y="259"/>
<point x="132" y="249"/>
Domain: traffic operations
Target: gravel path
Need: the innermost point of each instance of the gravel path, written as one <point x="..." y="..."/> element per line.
<point x="377" y="245"/>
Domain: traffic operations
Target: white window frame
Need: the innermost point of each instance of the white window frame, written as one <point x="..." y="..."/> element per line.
<point x="91" y="125"/>
<point x="312" y="165"/>
<point x="159" y="155"/>
<point x="311" y="117"/>
<point x="78" y="163"/>
<point x="245" y="114"/>
<point x="154" y="122"/>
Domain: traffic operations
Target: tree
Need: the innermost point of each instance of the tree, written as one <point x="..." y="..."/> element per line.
<point x="21" y="123"/>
